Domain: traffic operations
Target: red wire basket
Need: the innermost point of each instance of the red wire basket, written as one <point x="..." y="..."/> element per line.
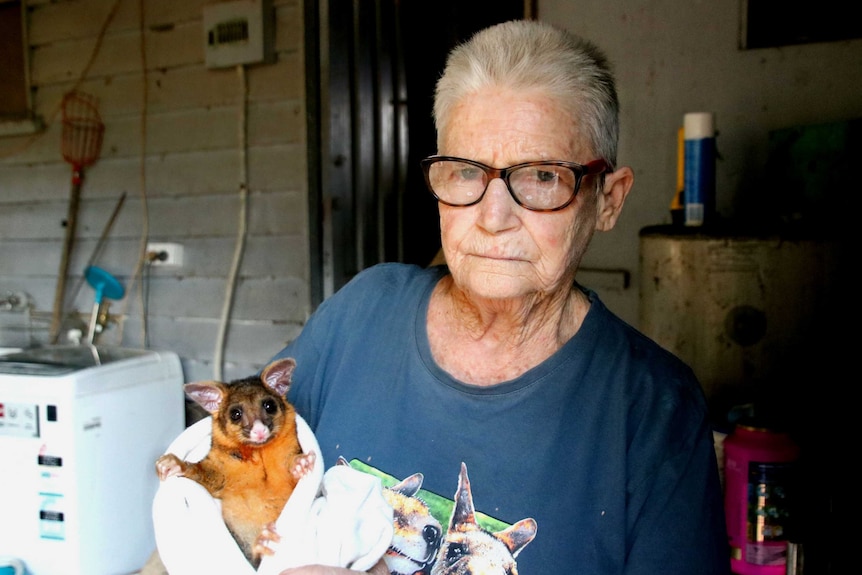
<point x="82" y="129"/>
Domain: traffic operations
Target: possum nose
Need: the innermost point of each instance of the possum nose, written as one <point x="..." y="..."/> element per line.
<point x="259" y="432"/>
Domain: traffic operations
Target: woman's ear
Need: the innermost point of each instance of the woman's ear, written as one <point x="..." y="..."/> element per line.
<point x="612" y="197"/>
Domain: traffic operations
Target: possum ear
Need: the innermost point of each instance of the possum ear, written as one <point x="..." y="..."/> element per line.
<point x="207" y="394"/>
<point x="409" y="486"/>
<point x="518" y="535"/>
<point x="464" y="512"/>
<point x="277" y="375"/>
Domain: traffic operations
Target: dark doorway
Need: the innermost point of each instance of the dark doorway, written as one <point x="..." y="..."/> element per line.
<point x="430" y="31"/>
<point x="371" y="71"/>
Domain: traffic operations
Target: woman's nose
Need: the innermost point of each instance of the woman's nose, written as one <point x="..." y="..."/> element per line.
<point x="497" y="207"/>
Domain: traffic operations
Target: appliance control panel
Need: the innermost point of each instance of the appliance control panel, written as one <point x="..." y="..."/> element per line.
<point x="19" y="419"/>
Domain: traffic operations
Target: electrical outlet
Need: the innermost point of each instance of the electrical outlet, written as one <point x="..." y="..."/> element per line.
<point x="163" y="254"/>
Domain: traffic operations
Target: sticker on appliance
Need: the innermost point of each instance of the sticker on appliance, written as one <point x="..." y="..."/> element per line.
<point x="52" y="521"/>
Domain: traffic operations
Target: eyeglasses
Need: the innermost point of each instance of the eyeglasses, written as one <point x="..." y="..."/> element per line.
<point x="543" y="186"/>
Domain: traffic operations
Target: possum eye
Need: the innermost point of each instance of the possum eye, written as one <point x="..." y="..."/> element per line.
<point x="430" y="534"/>
<point x="270" y="406"/>
<point x="235" y="414"/>
<point x="455" y="552"/>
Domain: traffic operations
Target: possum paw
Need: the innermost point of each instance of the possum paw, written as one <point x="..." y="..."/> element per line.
<point x="302" y="465"/>
<point x="267" y="536"/>
<point x="168" y="465"/>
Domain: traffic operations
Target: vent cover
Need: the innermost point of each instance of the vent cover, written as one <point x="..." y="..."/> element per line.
<point x="228" y="32"/>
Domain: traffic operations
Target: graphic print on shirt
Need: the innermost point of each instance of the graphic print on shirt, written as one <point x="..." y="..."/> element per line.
<point x="473" y="543"/>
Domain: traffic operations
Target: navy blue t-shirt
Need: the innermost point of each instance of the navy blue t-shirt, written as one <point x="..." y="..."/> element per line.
<point x="599" y="460"/>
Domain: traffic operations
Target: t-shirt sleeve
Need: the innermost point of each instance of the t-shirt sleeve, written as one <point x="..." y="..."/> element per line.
<point x="677" y="515"/>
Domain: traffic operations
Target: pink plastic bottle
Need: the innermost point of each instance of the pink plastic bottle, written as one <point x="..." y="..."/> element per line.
<point x="758" y="469"/>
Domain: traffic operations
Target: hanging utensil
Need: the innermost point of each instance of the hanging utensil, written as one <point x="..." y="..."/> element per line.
<point x="81" y="142"/>
<point x="106" y="286"/>
<point x="99" y="246"/>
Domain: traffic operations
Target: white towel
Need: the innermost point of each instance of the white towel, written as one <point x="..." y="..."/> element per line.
<point x="337" y="518"/>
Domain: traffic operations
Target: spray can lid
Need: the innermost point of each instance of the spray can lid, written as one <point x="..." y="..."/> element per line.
<point x="699" y="125"/>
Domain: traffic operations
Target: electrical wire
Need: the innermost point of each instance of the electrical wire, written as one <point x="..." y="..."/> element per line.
<point x="136" y="276"/>
<point x="224" y="322"/>
<point x="145" y="307"/>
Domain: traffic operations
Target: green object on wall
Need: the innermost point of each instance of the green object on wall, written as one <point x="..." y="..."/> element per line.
<point x="809" y="168"/>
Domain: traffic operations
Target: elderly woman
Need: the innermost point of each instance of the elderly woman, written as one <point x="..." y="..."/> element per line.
<point x="548" y="435"/>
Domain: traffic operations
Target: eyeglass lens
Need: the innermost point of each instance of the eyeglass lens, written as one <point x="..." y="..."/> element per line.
<point x="535" y="186"/>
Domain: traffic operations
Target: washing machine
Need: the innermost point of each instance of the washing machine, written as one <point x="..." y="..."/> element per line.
<point x="80" y="430"/>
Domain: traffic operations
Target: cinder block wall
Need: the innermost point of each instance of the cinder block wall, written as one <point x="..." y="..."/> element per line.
<point x="172" y="145"/>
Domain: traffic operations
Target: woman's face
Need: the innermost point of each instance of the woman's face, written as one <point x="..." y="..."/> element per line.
<point x="497" y="249"/>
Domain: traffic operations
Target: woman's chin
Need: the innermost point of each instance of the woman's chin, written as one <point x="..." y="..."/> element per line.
<point x="496" y="285"/>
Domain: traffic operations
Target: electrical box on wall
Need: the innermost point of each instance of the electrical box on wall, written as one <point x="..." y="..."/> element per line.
<point x="237" y="33"/>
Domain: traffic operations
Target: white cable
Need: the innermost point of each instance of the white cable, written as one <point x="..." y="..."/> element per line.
<point x="241" y="233"/>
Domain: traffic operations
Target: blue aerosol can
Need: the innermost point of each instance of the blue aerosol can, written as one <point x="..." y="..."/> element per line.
<point x="699" y="173"/>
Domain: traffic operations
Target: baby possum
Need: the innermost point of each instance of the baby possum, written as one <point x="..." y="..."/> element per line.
<point x="255" y="460"/>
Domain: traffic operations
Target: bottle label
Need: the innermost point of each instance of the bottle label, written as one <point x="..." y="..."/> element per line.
<point x="768" y="512"/>
<point x="699" y="176"/>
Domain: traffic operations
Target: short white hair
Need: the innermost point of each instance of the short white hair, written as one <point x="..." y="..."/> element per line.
<point x="536" y="56"/>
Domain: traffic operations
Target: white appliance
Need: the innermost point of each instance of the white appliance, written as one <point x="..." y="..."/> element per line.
<point x="80" y="430"/>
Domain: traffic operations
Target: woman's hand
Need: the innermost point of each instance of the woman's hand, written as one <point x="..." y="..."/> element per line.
<point x="379" y="569"/>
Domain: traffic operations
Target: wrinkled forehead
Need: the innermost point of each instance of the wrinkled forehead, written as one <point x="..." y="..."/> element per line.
<point x="503" y="125"/>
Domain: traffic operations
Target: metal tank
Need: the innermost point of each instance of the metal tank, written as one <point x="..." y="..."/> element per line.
<point x="748" y="313"/>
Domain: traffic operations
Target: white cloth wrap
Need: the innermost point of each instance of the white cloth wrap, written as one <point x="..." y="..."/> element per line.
<point x="337" y="518"/>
